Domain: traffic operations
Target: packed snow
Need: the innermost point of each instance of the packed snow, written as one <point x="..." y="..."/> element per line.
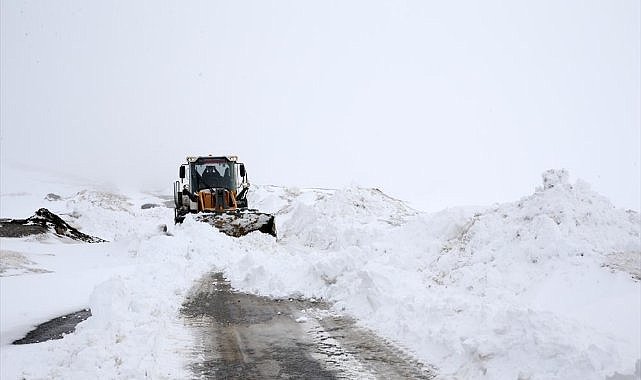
<point x="546" y="287"/>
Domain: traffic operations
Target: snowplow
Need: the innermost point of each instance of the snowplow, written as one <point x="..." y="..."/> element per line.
<point x="214" y="188"/>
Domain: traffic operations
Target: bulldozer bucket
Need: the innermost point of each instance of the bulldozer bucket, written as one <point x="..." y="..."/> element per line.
<point x="240" y="223"/>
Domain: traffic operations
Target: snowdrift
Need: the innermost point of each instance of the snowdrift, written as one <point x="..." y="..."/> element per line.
<point x="546" y="287"/>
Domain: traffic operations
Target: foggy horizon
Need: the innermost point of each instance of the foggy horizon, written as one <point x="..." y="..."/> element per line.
<point x="438" y="104"/>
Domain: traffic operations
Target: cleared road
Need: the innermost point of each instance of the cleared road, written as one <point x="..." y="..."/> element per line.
<point x="243" y="336"/>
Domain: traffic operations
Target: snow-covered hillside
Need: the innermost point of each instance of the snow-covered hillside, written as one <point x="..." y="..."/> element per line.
<point x="547" y="287"/>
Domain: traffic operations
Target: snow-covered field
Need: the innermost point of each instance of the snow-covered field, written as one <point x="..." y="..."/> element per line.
<point x="546" y="287"/>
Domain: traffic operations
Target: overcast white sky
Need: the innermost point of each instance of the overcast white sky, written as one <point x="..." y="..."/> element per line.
<point x="440" y="103"/>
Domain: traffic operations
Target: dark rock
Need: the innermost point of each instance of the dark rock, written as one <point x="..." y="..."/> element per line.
<point x="149" y="205"/>
<point x="56" y="328"/>
<point x="43" y="221"/>
<point x="53" y="197"/>
<point x="20" y="228"/>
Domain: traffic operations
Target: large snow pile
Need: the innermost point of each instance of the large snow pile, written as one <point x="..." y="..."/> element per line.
<point x="543" y="288"/>
<point x="521" y="290"/>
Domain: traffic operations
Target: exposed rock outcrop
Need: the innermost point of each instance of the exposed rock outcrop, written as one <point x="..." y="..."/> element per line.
<point x="41" y="222"/>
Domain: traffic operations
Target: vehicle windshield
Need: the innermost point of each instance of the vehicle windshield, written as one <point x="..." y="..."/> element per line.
<point x="214" y="173"/>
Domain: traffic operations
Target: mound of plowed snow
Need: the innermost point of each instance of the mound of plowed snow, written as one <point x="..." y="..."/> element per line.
<point x="543" y="288"/>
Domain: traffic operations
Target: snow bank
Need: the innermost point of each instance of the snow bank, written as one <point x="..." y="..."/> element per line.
<point x="543" y="288"/>
<point x="539" y="288"/>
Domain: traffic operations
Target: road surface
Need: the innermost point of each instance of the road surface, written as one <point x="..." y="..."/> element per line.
<point x="243" y="336"/>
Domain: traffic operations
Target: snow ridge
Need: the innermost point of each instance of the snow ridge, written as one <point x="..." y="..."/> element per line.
<point x="546" y="287"/>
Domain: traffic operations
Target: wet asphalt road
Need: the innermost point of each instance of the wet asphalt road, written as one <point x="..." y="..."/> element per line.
<point x="243" y="336"/>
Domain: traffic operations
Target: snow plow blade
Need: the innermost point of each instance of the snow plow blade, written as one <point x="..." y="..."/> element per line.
<point x="240" y="223"/>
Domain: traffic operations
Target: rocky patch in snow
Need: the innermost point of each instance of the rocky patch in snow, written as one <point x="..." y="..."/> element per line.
<point x="41" y="222"/>
<point x="56" y="328"/>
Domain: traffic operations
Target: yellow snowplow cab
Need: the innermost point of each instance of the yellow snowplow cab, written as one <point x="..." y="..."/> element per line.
<point x="215" y="189"/>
